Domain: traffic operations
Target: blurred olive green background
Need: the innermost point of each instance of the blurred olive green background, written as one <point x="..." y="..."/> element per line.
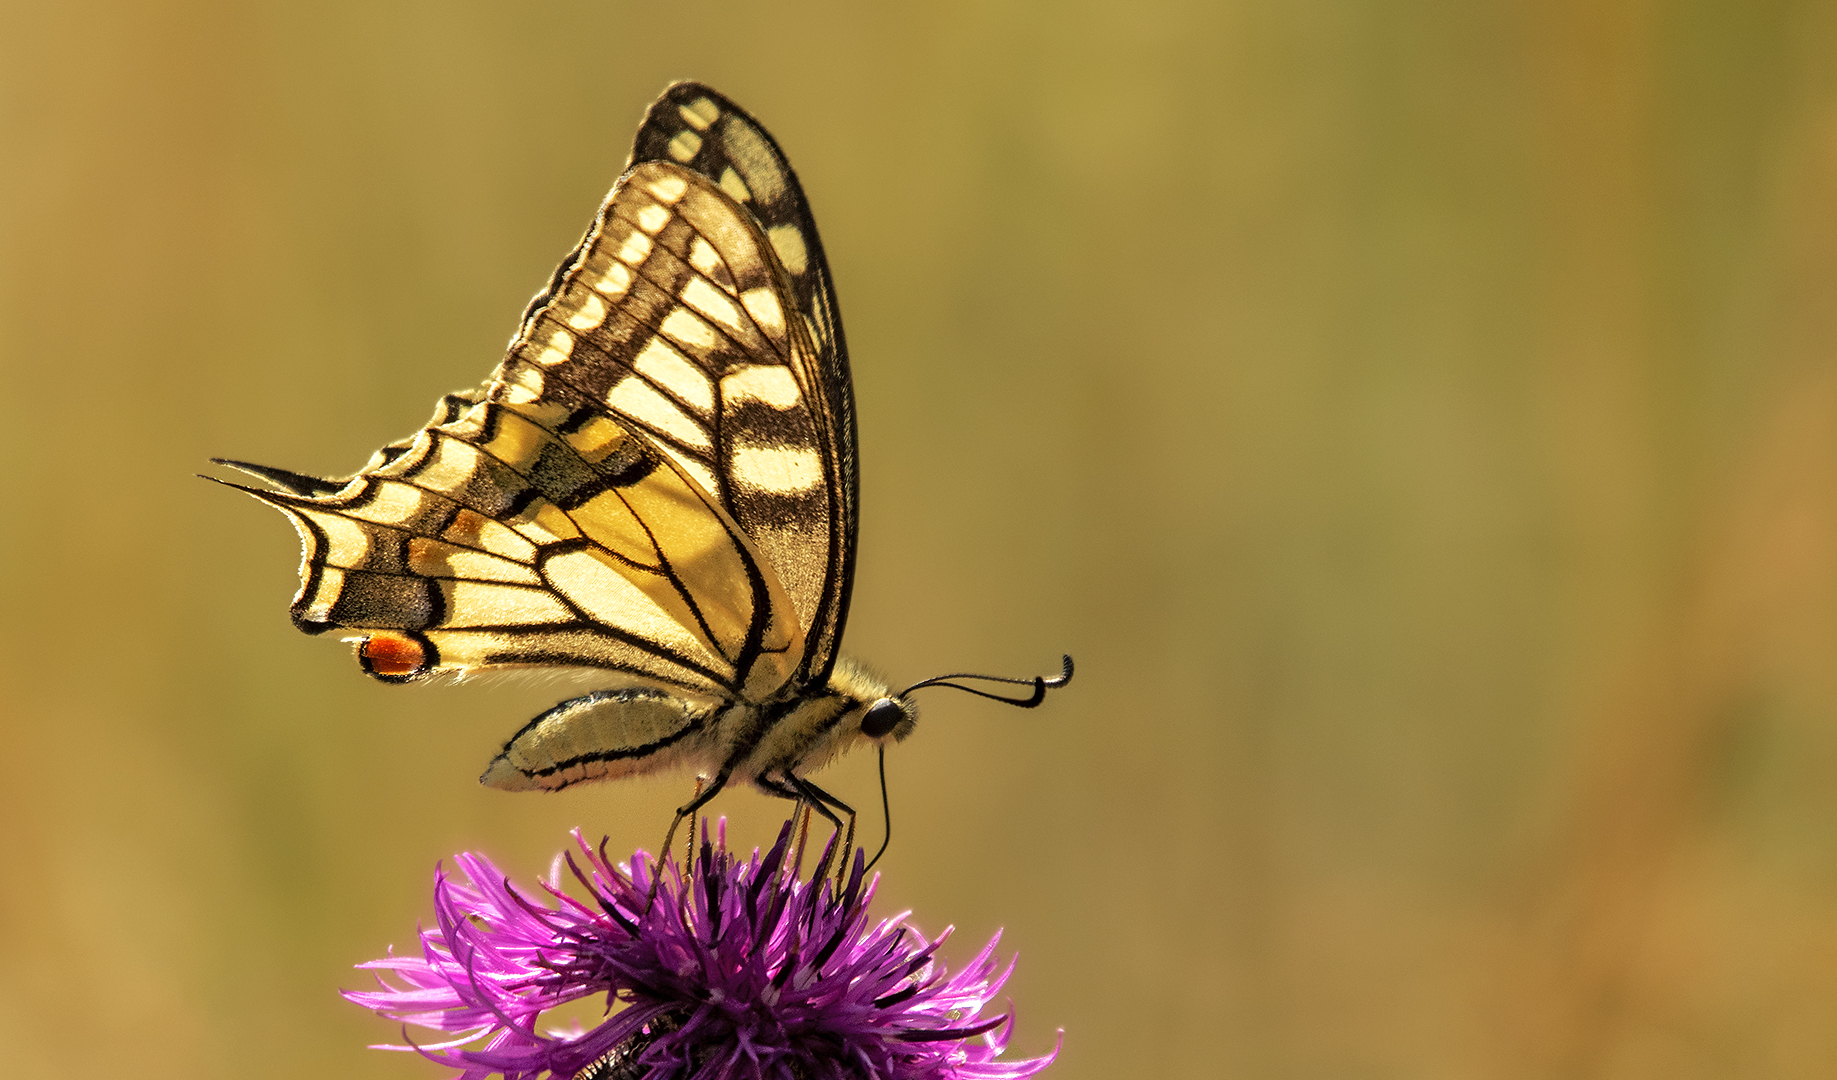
<point x="1419" y="419"/>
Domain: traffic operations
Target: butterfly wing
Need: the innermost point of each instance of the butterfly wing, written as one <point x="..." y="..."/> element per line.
<point x="810" y="540"/>
<point x="654" y="460"/>
<point x="531" y="533"/>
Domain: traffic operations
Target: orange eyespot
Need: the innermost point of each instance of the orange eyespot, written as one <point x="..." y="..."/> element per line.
<point x="392" y="656"/>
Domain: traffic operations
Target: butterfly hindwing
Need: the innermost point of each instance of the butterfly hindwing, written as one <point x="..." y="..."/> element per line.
<point x="512" y="534"/>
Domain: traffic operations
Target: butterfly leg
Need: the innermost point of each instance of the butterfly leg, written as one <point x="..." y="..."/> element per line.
<point x="689" y="853"/>
<point x="823" y="799"/>
<point x="688" y="809"/>
<point x="794" y="789"/>
<point x="788" y="786"/>
<point x="805" y="804"/>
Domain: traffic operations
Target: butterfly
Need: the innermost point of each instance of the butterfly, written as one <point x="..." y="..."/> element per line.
<point x="658" y="483"/>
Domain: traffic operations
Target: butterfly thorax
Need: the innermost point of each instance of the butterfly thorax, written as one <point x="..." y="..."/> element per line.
<point x="803" y="732"/>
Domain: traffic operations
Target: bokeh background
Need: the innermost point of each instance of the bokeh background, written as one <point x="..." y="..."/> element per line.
<point x="1418" y="418"/>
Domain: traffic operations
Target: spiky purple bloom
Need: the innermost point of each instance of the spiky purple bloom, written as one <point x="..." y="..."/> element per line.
<point x="743" y="971"/>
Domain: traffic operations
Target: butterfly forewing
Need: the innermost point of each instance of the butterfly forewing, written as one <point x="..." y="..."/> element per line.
<point x="677" y="315"/>
<point x="700" y="130"/>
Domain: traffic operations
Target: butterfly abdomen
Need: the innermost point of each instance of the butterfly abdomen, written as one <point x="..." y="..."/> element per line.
<point x="606" y="735"/>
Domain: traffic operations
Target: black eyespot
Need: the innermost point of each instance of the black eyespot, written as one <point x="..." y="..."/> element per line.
<point x="882" y="716"/>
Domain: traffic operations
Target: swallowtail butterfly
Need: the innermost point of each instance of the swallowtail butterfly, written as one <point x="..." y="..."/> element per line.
<point x="658" y="482"/>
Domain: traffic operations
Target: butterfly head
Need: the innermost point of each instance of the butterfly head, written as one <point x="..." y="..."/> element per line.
<point x="872" y="711"/>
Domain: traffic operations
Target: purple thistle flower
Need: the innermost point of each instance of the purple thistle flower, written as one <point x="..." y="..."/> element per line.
<point x="742" y="971"/>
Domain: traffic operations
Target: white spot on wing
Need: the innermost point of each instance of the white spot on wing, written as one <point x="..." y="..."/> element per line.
<point x="560" y="346"/>
<point x="735" y="187"/>
<point x="640" y="400"/>
<point x="501" y="541"/>
<point x="453" y="462"/>
<point x="777" y="469"/>
<point x="437" y="558"/>
<point x="636" y="249"/>
<point x="685" y="145"/>
<point x="592" y="313"/>
<point x="713" y="303"/>
<point x="762" y="305"/>
<point x="703" y="257"/>
<point x="546" y="524"/>
<point x="653" y="217"/>
<point x="766" y="383"/>
<point x="614" y="281"/>
<point x="700" y="113"/>
<point x="683" y="325"/>
<point x="662" y="364"/>
<point x="668" y="188"/>
<point x="788" y="241"/>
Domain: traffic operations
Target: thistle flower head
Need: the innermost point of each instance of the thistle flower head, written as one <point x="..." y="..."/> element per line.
<point x="735" y="969"/>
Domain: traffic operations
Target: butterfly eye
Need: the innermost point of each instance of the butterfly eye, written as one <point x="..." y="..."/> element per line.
<point x="882" y="716"/>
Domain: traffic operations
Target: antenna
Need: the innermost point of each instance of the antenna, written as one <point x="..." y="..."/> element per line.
<point x="1040" y="685"/>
